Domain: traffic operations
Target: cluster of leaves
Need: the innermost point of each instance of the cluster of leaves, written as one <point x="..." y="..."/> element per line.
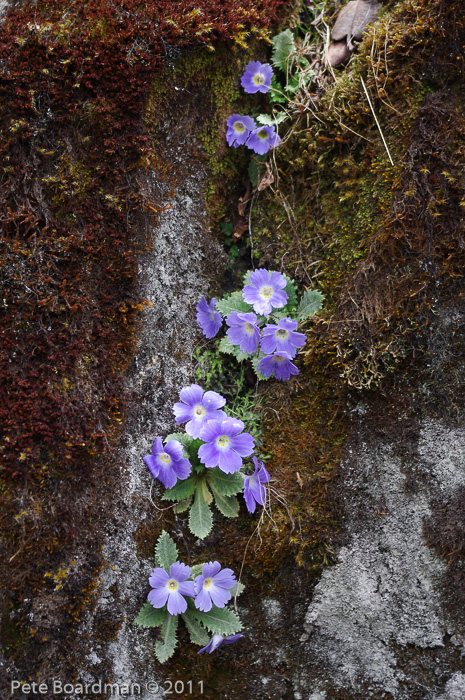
<point x="309" y="304"/>
<point x="217" y="621"/>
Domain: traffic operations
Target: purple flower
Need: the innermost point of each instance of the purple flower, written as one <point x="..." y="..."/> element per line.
<point x="282" y="337"/>
<point x="213" y="586"/>
<point x="218" y="639"/>
<point x="167" y="463"/>
<point x="257" y="77"/>
<point x="239" y="129"/>
<point x="278" y="365"/>
<point x="225" y="445"/>
<point x="265" y="291"/>
<point x="264" y="138"/>
<point x="171" y="587"/>
<point x="197" y="408"/>
<point x="254" y="491"/>
<point x="243" y="331"/>
<point x="208" y="319"/>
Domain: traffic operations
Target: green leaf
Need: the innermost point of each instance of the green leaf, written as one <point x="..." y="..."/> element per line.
<point x="226" y="346"/>
<point x="228" y="505"/>
<point x="225" y="484"/>
<point x="271" y="120"/>
<point x="181" y="490"/>
<point x="218" y="620"/>
<point x="166" y="552"/>
<point x="185" y="439"/>
<point x="196" y="631"/>
<point x="311" y="302"/>
<point x="257" y="168"/>
<point x="183" y="505"/>
<point x="165" y="650"/>
<point x="150" y="616"/>
<point x="196" y="570"/>
<point x="246" y="278"/>
<point x="207" y="496"/>
<point x="237" y="590"/>
<point x="283" y="48"/>
<point x="276" y="93"/>
<point x="291" y="291"/>
<point x="234" y="302"/>
<point x="292" y="85"/>
<point x="200" y="516"/>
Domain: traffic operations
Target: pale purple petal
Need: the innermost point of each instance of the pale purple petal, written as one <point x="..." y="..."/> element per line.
<point x="208" y="455"/>
<point x="212" y="400"/>
<point x="243" y="444"/>
<point x="182" y="412"/>
<point x="229" y="462"/>
<point x="209" y="320"/>
<point x="176" y="603"/>
<point x="174" y="449"/>
<point x="158" y="578"/>
<point x="191" y="394"/>
<point x="239" y="128"/>
<point x="158" y="597"/>
<point x="182" y="469"/>
<point x="187" y="588"/>
<point x="210" y="569"/>
<point x="225" y="578"/>
<point x="219" y="595"/>
<point x="203" y="601"/>
<point x="179" y="571"/>
<point x="249" y="500"/>
<point x="210" y="430"/>
<point x="151" y="463"/>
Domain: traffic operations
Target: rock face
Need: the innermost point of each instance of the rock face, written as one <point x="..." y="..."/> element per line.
<point x="383" y="596"/>
<point x="170" y="277"/>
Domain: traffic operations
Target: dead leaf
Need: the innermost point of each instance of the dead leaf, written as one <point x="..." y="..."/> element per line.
<point x="353" y="19"/>
<point x="241" y="226"/>
<point x="267" y="180"/>
<point x="338" y="53"/>
<point x="299" y="479"/>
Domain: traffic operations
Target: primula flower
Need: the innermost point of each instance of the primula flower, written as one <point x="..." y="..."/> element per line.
<point x="213" y="586"/>
<point x="264" y="138"/>
<point x="218" y="639"/>
<point x="243" y="331"/>
<point x="197" y="408"/>
<point x="239" y="129"/>
<point x="171" y="587"/>
<point x="257" y="77"/>
<point x="254" y="491"/>
<point x="265" y="291"/>
<point x="282" y="337"/>
<point x="168" y="463"/>
<point x="208" y="319"/>
<point x="225" y="444"/>
<point x="278" y="365"/>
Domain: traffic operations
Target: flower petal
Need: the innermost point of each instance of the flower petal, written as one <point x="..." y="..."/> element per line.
<point x="158" y="597"/>
<point x="191" y="394"/>
<point x="176" y="603"/>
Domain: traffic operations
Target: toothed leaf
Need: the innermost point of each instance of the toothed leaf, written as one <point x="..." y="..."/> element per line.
<point x="225" y="484"/>
<point x="311" y="302"/>
<point x="200" y="516"/>
<point x="150" y="616"/>
<point x="218" y="620"/>
<point x="166" y="552"/>
<point x="234" y="302"/>
<point x="164" y="650"/>
<point x="196" y="631"/>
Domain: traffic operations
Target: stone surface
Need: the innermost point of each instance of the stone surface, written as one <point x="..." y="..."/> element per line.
<point x="383" y="596"/>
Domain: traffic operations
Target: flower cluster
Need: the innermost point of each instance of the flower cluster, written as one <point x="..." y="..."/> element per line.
<point x="242" y="130"/>
<point x="275" y="343"/>
<point x="212" y="587"/>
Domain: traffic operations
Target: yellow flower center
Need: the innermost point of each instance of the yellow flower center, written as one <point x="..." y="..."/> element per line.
<point x="277" y="358"/>
<point x="249" y="328"/>
<point x="222" y="441"/>
<point x="207" y="583"/>
<point x="165" y="457"/>
<point x="259" y="79"/>
<point x="239" y="127"/>
<point x="281" y="333"/>
<point x="263" y="134"/>
<point x="172" y="585"/>
<point x="199" y="411"/>
<point x="266" y="292"/>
